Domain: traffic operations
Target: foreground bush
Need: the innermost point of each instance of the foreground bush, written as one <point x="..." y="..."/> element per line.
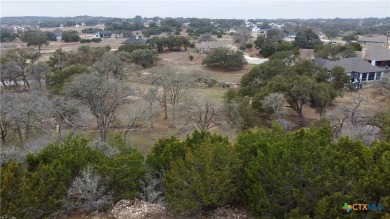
<point x="200" y="172"/>
<point x="302" y="174"/>
<point x="46" y="185"/>
<point x="204" y="179"/>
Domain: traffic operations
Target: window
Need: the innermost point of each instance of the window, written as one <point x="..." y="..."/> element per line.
<point x="364" y="76"/>
<point x="378" y="76"/>
<point x="371" y="76"/>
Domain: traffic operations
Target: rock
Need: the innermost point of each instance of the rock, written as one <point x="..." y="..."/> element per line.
<point x="137" y="209"/>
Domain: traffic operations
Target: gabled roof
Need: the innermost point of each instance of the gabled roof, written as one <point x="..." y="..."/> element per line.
<point x="377" y="53"/>
<point x="58" y="32"/>
<point x="351" y="65"/>
<point x="379" y="38"/>
<point x="134" y="40"/>
<point x="104" y="32"/>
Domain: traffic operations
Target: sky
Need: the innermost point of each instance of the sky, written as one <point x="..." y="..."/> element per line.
<point x="246" y="9"/>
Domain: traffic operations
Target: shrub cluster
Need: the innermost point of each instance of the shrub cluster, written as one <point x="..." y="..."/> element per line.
<point x="274" y="173"/>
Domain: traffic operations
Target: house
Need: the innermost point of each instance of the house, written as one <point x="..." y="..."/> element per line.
<point x="135" y="39"/>
<point x="102" y="34"/>
<point x="376" y="55"/>
<point x="291" y="35"/>
<point x="359" y="70"/>
<point x="206" y="47"/>
<point x="380" y="40"/>
<point x="58" y="32"/>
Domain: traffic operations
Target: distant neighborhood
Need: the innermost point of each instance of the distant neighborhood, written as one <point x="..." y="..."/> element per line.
<point x="163" y="117"/>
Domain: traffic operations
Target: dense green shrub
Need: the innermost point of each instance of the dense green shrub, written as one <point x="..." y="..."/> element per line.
<point x="41" y="186"/>
<point x="249" y="45"/>
<point x="96" y="40"/>
<point x="70" y="36"/>
<point x="143" y="57"/>
<point x="131" y="47"/>
<point x="85" y="40"/>
<point x="302" y="174"/>
<point x="57" y="79"/>
<point x="205" y="177"/>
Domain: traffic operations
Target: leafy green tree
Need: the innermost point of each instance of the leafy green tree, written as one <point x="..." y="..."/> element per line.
<point x="225" y="59"/>
<point x="50" y="36"/>
<point x="339" y="78"/>
<point x="70" y="36"/>
<point x="204" y="179"/>
<point x="6" y="34"/>
<point x="335" y="52"/>
<point x="143" y="57"/>
<point x="356" y="46"/>
<point x="131" y="47"/>
<point x="37" y="39"/>
<point x="382" y="120"/>
<point x="59" y="59"/>
<point x="275" y="35"/>
<point x="307" y="39"/>
<point x="57" y="79"/>
<point x="331" y="34"/>
<point x="350" y="38"/>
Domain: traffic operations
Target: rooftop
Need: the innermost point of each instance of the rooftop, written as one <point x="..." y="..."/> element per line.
<point x="379" y="38"/>
<point x="350" y="65"/>
<point x="377" y="53"/>
<point x="134" y="40"/>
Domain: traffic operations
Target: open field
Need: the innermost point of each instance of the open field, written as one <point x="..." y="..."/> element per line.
<point x="144" y="137"/>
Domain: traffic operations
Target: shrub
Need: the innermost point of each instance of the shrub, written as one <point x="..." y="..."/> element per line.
<point x="249" y="45"/>
<point x="191" y="57"/>
<point x="96" y="40"/>
<point x="54" y="177"/>
<point x="42" y="186"/>
<point x="57" y="79"/>
<point x="85" y="41"/>
<point x="131" y="47"/>
<point x="143" y="57"/>
<point x="205" y="177"/>
<point x="225" y="59"/>
<point x="219" y="36"/>
<point x="70" y="36"/>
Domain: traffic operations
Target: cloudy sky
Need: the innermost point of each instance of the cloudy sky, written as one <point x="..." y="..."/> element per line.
<point x="201" y="8"/>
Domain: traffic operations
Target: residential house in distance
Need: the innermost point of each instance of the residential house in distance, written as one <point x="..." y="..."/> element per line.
<point x="102" y="34"/>
<point x="134" y="39"/>
<point x="58" y="33"/>
<point x="376" y="55"/>
<point x="360" y="71"/>
<point x="206" y="47"/>
<point x="380" y="40"/>
<point x="291" y="35"/>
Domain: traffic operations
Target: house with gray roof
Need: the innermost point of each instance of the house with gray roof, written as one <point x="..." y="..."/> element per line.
<point x="359" y="70"/>
<point x="58" y="32"/>
<point x="376" y="55"/>
<point x="135" y="39"/>
<point x="380" y="40"/>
